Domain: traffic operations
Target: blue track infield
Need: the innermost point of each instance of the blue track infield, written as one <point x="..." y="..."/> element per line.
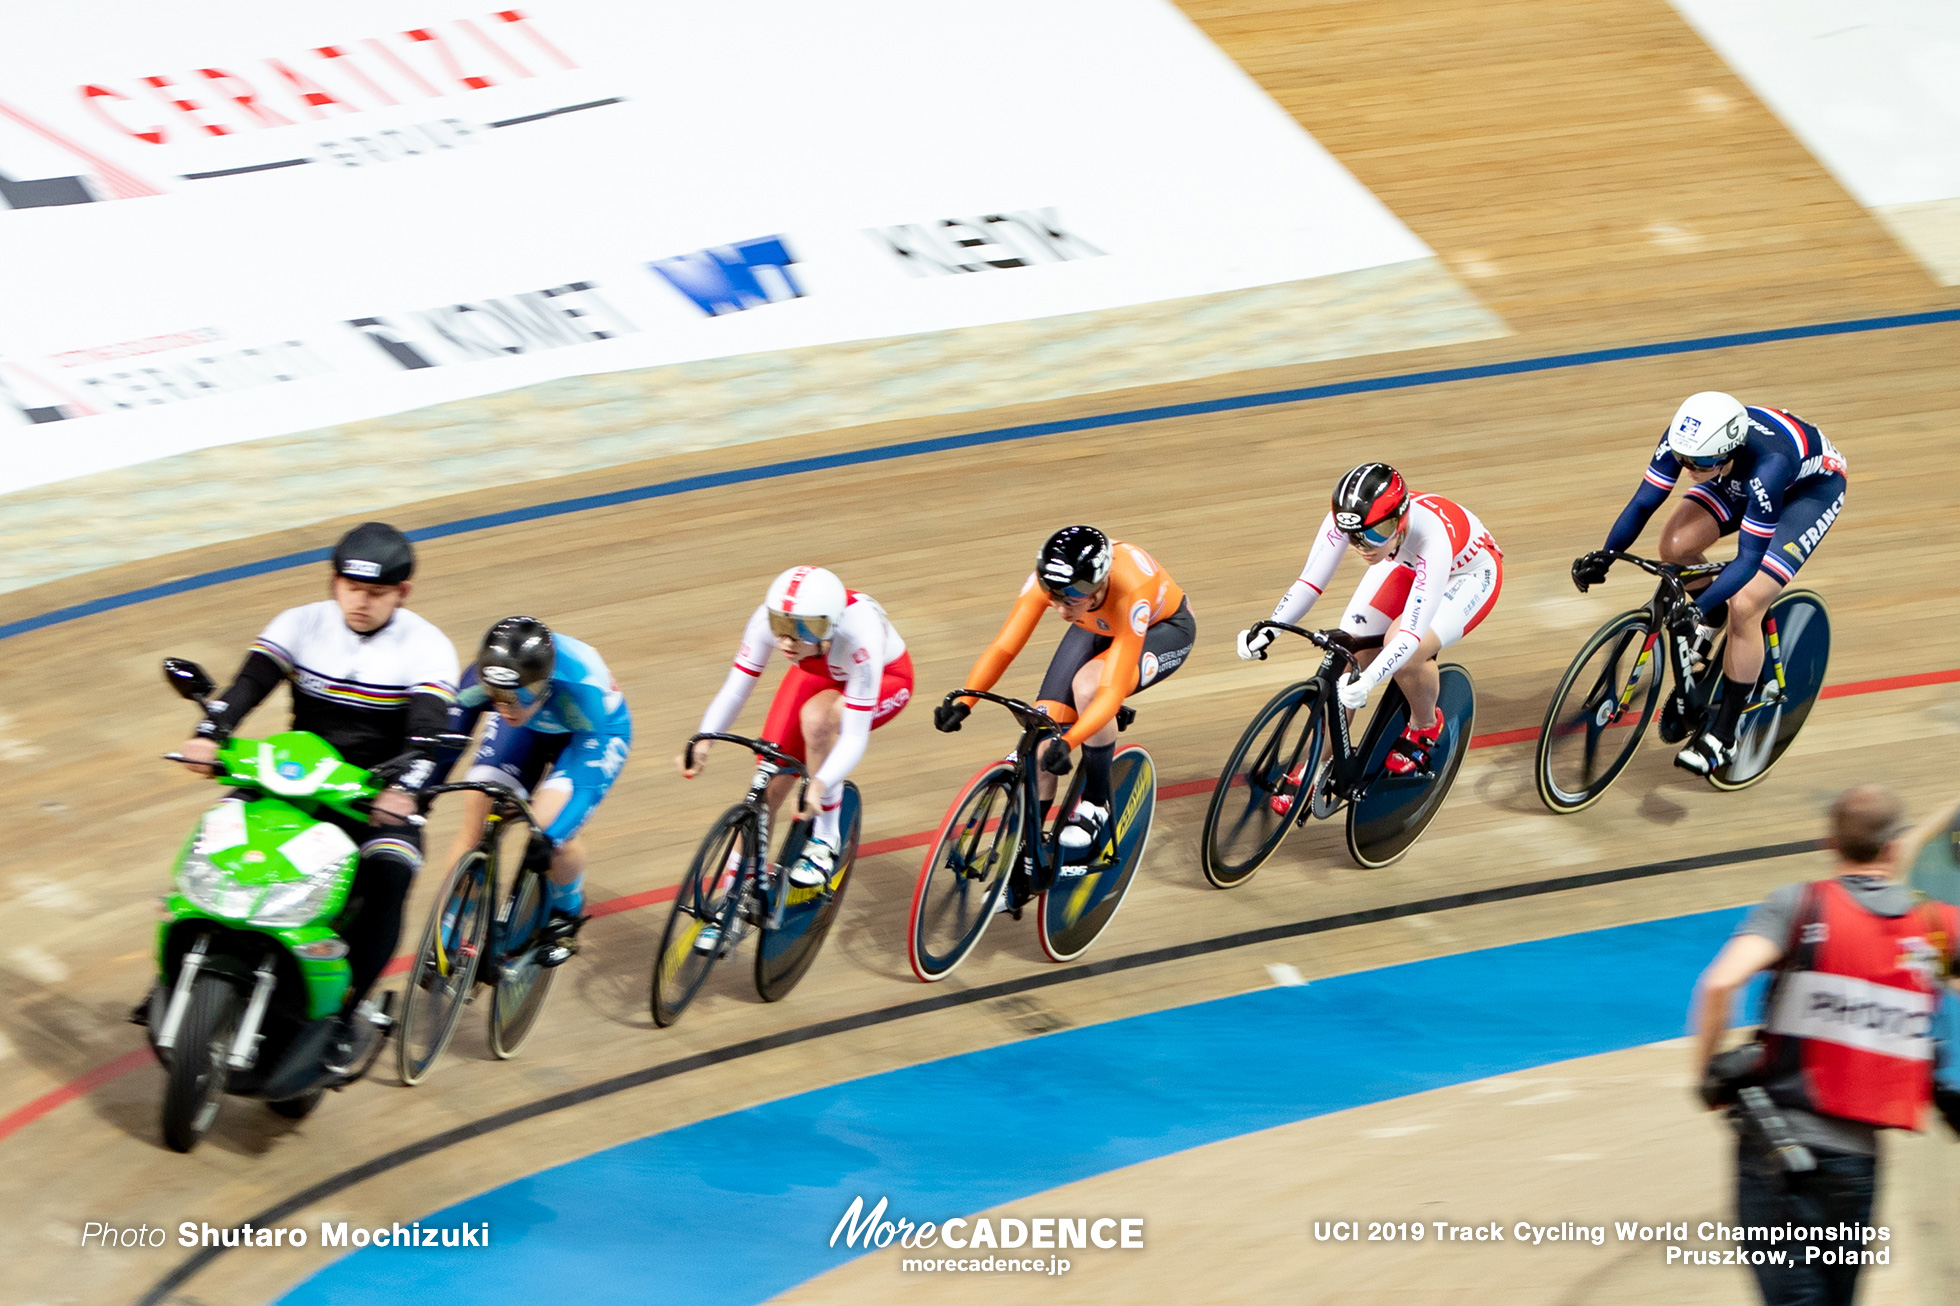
<point x="736" y="1209"/>
<point x="1002" y="435"/>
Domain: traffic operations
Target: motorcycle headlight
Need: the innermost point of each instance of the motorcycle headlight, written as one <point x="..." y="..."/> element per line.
<point x="212" y="888"/>
<point x="295" y="903"/>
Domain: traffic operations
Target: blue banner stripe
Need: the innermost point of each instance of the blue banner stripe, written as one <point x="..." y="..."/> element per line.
<point x="1002" y="435"/>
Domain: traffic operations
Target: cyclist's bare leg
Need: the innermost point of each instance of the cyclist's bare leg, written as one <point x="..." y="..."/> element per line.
<point x="822" y="718"/>
<point x="1421" y="680"/>
<point x="476" y="810"/>
<point x="1088" y="678"/>
<point x="1690" y="532"/>
<point x="568" y="859"/>
<point x="1743" y="660"/>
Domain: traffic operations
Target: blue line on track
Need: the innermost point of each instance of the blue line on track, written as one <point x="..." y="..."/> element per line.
<point x="734" y="1210"/>
<point x="1002" y="435"/>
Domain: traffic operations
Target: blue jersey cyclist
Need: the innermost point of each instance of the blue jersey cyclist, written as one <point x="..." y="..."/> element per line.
<point x="559" y="738"/>
<point x="1764" y="475"/>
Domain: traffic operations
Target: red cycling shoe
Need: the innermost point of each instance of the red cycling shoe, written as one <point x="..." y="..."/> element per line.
<point x="1410" y="754"/>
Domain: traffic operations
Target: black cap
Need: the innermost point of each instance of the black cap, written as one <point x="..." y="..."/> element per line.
<point x="375" y="553"/>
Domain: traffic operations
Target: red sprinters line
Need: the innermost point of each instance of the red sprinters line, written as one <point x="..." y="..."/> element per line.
<point x="129" y="1061"/>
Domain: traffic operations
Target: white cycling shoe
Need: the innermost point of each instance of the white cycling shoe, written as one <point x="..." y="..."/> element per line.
<point x="1704" y="755"/>
<point x="814" y="867"/>
<point x="1082" y="830"/>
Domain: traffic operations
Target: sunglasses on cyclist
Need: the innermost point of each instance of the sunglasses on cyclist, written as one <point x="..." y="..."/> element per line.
<point x="519" y="695"/>
<point x="810" y="630"/>
<point x="1377" y="535"/>
<point x="1704" y="464"/>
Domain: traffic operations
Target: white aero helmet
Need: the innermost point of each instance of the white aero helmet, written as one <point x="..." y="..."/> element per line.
<point x="1707" y="428"/>
<point x="805" y="603"/>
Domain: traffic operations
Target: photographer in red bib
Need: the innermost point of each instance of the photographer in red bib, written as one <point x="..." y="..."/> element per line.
<point x="1846" y="1045"/>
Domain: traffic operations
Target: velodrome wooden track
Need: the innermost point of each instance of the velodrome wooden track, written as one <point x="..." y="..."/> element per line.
<point x="1598" y="178"/>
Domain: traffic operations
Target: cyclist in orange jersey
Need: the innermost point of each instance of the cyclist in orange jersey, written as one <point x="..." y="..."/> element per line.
<point x="1131" y="628"/>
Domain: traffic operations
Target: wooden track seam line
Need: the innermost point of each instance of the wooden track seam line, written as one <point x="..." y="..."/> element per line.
<point x="401" y="1156"/>
<point x="1002" y="435"/>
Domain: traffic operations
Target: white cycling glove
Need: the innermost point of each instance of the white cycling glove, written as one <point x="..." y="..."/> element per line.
<point x="1252" y="646"/>
<point x="1353" y="691"/>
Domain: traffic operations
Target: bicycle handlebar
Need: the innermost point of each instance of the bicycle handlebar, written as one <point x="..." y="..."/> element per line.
<point x="1030" y="716"/>
<point x="503" y="794"/>
<point x="1334" y="641"/>
<point x="760" y="747"/>
<point x="1672" y="570"/>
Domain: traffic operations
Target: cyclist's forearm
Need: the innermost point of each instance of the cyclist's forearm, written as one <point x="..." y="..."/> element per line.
<point x="258" y="677"/>
<point x="1748" y="556"/>
<point x="1298" y="600"/>
<point x="728" y="703"/>
<point x="1633" y="517"/>
<point x="1394" y="656"/>
<point x="848" y="751"/>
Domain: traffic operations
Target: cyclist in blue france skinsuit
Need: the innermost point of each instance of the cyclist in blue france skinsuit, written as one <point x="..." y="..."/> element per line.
<point x="1764" y="475"/>
<point x="559" y="738"/>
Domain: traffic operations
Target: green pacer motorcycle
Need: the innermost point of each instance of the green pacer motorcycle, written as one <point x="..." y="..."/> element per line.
<point x="251" y="975"/>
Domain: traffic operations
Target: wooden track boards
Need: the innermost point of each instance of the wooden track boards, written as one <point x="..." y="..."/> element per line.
<point x="1590" y="169"/>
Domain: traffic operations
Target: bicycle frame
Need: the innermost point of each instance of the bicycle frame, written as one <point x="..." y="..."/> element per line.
<point x="1036" y="728"/>
<point x="505" y="805"/>
<point x="1342" y="651"/>
<point x="1669" y="595"/>
<point x="770" y="763"/>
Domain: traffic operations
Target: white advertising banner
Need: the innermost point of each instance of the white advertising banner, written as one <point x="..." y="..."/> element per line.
<point x="1872" y="88"/>
<point x="221" y="221"/>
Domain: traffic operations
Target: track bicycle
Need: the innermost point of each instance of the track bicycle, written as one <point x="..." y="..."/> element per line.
<point x="1602" y="706"/>
<point x="993" y="843"/>
<point x="731" y="888"/>
<point x="467" y="943"/>
<point x="1297" y="761"/>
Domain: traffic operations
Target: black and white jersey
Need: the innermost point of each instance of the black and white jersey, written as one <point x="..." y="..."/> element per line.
<point x="355" y="690"/>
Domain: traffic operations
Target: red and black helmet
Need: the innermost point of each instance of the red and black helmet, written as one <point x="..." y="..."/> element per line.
<point x="1367" y="497"/>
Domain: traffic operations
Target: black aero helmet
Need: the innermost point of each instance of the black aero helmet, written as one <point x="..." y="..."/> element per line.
<point x="1367" y="500"/>
<point x="516" y="659"/>
<point x="1074" y="562"/>
<point x="374" y="553"/>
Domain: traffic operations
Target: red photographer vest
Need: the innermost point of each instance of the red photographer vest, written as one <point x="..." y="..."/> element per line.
<point x="1850" y="1013"/>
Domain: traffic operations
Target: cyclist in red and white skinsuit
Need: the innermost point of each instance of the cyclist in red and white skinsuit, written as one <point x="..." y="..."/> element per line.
<point x="1434" y="573"/>
<point x="849" y="674"/>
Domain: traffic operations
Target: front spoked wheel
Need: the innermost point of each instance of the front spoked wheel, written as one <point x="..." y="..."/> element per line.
<point x="783" y="954"/>
<point x="1600" y="711"/>
<point x="199" y="1065"/>
<point x="966" y="871"/>
<point x="1392" y="811"/>
<point x="702" y="925"/>
<point x="521" y="983"/>
<point x="445" y="967"/>
<point x="1252" y="807"/>
<point x="1769" y="725"/>
<point x="1085" y="896"/>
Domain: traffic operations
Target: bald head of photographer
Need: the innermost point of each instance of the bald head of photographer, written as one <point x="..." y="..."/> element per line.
<point x="1857" y="965"/>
